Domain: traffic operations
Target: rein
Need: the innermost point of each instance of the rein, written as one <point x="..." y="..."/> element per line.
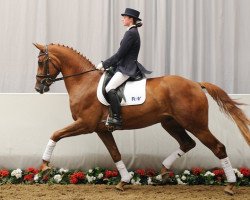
<point x="64" y="77"/>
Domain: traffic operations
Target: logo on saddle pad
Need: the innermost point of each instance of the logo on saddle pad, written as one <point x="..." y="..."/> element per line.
<point x="134" y="92"/>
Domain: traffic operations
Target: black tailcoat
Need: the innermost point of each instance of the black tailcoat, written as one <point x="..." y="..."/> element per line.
<point x="125" y="59"/>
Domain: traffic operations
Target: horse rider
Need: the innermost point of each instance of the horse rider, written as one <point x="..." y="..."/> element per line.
<point x="125" y="63"/>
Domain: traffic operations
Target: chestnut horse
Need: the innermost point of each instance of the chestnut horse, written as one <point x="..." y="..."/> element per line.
<point x="175" y="102"/>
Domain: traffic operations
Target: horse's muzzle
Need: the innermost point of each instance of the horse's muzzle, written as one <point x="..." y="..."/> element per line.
<point x="41" y="88"/>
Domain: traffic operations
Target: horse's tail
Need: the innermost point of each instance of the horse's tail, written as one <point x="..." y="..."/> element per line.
<point x="229" y="107"/>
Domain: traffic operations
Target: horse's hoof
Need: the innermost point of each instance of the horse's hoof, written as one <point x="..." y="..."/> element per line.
<point x="120" y="186"/>
<point x="165" y="178"/>
<point x="229" y="189"/>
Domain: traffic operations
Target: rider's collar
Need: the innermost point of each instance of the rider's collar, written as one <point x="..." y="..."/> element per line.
<point x="130" y="27"/>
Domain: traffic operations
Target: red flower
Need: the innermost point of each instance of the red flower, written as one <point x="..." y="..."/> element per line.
<point x="32" y="170"/>
<point x="197" y="171"/>
<point x="114" y="173"/>
<point x="218" y="172"/>
<point x="245" y="172"/>
<point x="150" y="172"/>
<point x="171" y="174"/>
<point x="29" y="177"/>
<point x="141" y="172"/>
<point x="73" y="179"/>
<point x="4" y="173"/>
<point x="110" y="174"/>
<point x="79" y="175"/>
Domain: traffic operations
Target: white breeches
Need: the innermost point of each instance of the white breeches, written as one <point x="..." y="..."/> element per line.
<point x="116" y="81"/>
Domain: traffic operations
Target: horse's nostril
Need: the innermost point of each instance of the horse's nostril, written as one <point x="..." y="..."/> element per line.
<point x="39" y="90"/>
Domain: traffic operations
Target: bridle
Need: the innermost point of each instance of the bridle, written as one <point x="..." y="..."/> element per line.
<point x="47" y="79"/>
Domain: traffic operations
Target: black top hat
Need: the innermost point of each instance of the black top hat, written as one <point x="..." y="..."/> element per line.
<point x="131" y="13"/>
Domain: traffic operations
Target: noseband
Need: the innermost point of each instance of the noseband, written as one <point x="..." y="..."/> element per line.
<point x="47" y="79"/>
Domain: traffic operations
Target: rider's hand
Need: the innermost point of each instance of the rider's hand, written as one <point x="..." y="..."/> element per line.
<point x="100" y="66"/>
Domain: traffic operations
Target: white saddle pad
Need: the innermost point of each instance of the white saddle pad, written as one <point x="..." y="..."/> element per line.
<point x="134" y="92"/>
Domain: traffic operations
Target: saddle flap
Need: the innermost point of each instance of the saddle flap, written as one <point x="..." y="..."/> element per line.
<point x="130" y="93"/>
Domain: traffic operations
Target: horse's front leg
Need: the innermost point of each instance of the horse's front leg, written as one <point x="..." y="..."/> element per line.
<point x="110" y="144"/>
<point x="76" y="128"/>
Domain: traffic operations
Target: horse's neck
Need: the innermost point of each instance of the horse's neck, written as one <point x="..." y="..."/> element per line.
<point x="75" y="64"/>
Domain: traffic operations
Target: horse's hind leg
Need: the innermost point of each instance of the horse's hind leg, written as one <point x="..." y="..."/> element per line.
<point x="110" y="144"/>
<point x="185" y="141"/>
<point x="219" y="150"/>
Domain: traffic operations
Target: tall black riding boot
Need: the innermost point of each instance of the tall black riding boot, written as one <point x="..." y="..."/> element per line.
<point x="115" y="106"/>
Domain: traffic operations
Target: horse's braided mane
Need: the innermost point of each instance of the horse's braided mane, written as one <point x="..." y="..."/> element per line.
<point x="75" y="51"/>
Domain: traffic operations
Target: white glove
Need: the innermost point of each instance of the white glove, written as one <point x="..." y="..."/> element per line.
<point x="100" y="66"/>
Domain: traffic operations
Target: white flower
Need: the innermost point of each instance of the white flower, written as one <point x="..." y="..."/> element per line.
<point x="186" y="172"/>
<point x="100" y="176"/>
<point x="61" y="171"/>
<point x="208" y="173"/>
<point x="240" y="175"/>
<point x="180" y="182"/>
<point x="183" y="178"/>
<point x="131" y="174"/>
<point x="159" y="177"/>
<point x="17" y="173"/>
<point x="90" y="171"/>
<point x="90" y="178"/>
<point x="36" y="178"/>
<point x="57" y="178"/>
<point x="136" y="182"/>
<point x="150" y="181"/>
<point x="177" y="176"/>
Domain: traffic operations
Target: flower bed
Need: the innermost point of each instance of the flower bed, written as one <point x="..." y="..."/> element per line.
<point x="97" y="175"/>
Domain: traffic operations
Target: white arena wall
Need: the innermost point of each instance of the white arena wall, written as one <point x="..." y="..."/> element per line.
<point x="28" y="120"/>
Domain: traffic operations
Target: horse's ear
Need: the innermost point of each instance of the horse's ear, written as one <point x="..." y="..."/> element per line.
<point x="39" y="46"/>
